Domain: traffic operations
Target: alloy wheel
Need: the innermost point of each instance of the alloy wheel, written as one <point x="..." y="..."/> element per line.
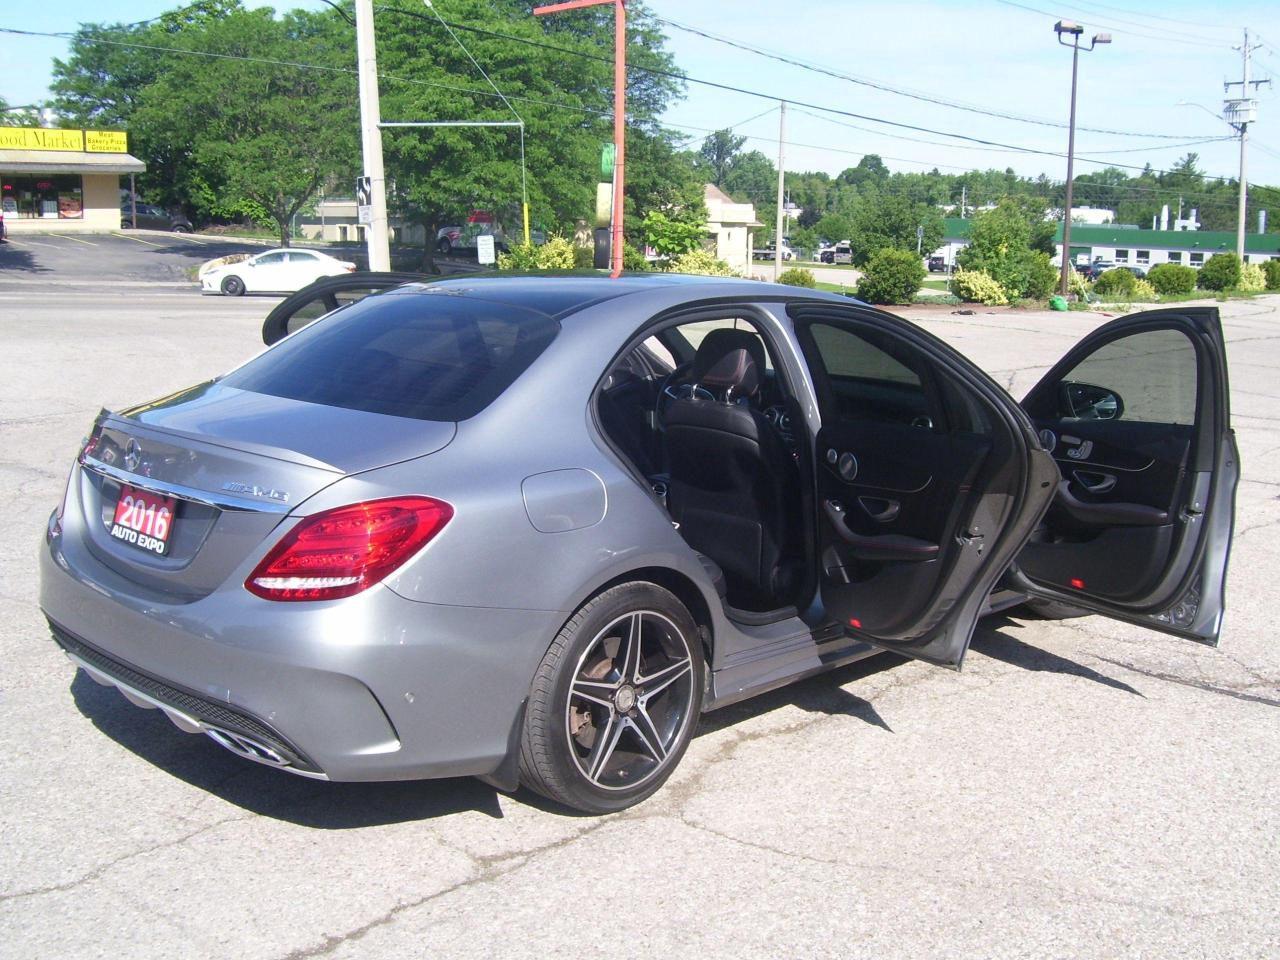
<point x="630" y="700"/>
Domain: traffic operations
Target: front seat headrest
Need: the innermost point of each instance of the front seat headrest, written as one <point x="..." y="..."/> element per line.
<point x="730" y="360"/>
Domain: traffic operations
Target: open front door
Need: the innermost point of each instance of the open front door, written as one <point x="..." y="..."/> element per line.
<point x="927" y="481"/>
<point x="1137" y="418"/>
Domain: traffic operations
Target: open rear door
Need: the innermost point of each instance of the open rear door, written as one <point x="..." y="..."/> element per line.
<point x="1137" y="419"/>
<point x="927" y="482"/>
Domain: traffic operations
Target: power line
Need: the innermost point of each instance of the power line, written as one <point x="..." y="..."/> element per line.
<point x="604" y="59"/>
<point x="957" y="146"/>
<point x="1156" y="16"/>
<point x="1126" y="32"/>
<point x="897" y="91"/>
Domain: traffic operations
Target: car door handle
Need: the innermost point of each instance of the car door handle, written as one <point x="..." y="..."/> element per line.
<point x="1094" y="482"/>
<point x="879" y="509"/>
<point x="884" y="546"/>
<point x="1110" y="514"/>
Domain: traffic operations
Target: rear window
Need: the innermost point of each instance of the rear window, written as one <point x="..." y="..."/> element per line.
<point x="404" y="354"/>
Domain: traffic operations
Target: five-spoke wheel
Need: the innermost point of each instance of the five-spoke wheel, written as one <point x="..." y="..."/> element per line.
<point x="614" y="701"/>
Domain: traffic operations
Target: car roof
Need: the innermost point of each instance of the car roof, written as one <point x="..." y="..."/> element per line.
<point x="560" y="296"/>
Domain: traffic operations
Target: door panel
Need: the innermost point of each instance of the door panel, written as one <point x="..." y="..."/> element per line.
<point x="926" y="482"/>
<point x="1137" y="417"/>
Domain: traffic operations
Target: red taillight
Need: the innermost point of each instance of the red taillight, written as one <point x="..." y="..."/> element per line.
<point x="345" y="550"/>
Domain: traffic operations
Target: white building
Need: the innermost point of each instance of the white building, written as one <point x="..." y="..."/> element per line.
<point x="729" y="225"/>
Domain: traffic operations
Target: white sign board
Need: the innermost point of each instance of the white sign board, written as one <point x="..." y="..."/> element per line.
<point x="484" y="248"/>
<point x="364" y="213"/>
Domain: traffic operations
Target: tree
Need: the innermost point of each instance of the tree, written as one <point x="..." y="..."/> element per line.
<point x="834" y="227"/>
<point x="885" y="221"/>
<point x="673" y="235"/>
<point x="870" y="169"/>
<point x="1000" y="246"/>
<point x="717" y="154"/>
<point x="752" y="176"/>
<point x="441" y="173"/>
<point x="226" y="125"/>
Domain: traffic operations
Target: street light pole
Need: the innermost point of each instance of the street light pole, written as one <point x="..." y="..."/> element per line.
<point x="1074" y="31"/>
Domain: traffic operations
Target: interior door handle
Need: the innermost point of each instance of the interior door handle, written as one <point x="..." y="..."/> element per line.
<point x="1094" y="482"/>
<point x="880" y="509"/>
<point x="884" y="546"/>
<point x="1110" y="514"/>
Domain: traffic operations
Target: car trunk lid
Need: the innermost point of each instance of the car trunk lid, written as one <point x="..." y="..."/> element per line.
<point x="236" y="463"/>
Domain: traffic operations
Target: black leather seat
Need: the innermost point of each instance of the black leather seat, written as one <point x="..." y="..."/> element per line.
<point x="733" y="481"/>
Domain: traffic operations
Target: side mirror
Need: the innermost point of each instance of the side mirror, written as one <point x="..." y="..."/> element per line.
<point x="1086" y="401"/>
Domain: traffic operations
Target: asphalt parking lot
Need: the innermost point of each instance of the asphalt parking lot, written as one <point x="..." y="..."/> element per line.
<point x="1081" y="789"/>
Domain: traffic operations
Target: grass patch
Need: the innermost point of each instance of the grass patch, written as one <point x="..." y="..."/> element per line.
<point x="935" y="284"/>
<point x="837" y="287"/>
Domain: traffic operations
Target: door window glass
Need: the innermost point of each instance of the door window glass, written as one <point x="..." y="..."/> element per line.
<point x="269" y="258"/>
<point x="1153" y="374"/>
<point x="865" y="381"/>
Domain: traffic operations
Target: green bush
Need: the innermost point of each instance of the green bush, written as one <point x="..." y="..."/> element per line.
<point x="1172" y="279"/>
<point x="798" y="277"/>
<point x="701" y="262"/>
<point x="583" y="258"/>
<point x="976" y="286"/>
<point x="1115" y="284"/>
<point x="632" y="259"/>
<point x="1220" y="272"/>
<point x="1041" y="278"/>
<point x="556" y="254"/>
<point x="891" y="276"/>
<point x="1252" y="278"/>
<point x="1271" y="271"/>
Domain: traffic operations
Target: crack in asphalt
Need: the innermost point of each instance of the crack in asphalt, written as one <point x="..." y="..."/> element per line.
<point x="1219" y="689"/>
<point x="98" y="871"/>
<point x="491" y="867"/>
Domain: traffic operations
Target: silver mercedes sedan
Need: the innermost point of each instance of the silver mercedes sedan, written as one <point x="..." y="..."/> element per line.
<point x="528" y="529"/>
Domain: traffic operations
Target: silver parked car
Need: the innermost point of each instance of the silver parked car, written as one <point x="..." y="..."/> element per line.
<point x="528" y="529"/>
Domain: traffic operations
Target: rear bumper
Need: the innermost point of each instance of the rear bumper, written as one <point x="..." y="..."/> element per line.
<point x="373" y="687"/>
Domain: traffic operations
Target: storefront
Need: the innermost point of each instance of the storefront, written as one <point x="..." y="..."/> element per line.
<point x="62" y="181"/>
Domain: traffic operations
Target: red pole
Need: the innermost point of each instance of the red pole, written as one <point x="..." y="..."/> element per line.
<point x="619" y="128"/>
<point x="619" y="112"/>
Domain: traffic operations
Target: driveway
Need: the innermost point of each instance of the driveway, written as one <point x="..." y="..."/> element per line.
<point x="1081" y="789"/>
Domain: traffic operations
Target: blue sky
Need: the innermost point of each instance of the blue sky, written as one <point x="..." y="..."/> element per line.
<point x="992" y="54"/>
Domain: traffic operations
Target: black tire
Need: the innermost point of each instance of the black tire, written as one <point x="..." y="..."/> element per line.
<point x="1053" y="610"/>
<point x="443" y="246"/>
<point x="181" y="228"/>
<point x="233" y="286"/>
<point x="565" y="730"/>
<point x="126" y="224"/>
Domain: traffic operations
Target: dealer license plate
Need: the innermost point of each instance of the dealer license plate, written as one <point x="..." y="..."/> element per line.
<point x="144" y="520"/>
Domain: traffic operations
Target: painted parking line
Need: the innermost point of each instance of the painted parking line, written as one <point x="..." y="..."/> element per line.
<point x="34" y="243"/>
<point x="125" y="236"/>
<point x="178" y="235"/>
<point x="63" y="236"/>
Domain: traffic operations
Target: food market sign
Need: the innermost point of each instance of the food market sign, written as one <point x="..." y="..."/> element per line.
<point x="39" y="138"/>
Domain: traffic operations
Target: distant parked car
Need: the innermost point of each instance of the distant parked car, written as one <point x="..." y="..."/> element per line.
<point x="151" y="217"/>
<point x="770" y="252"/>
<point x="937" y="264"/>
<point x="462" y="239"/>
<point x="1139" y="272"/>
<point x="276" y="271"/>
<point x="840" y="253"/>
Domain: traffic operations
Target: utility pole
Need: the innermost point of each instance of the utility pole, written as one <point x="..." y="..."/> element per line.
<point x="619" y="112"/>
<point x="371" y="138"/>
<point x="777" y="232"/>
<point x="1240" y="113"/>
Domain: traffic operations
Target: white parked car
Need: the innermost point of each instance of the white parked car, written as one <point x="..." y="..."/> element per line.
<point x="276" y="271"/>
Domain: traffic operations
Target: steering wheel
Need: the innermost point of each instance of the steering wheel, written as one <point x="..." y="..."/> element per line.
<point x="671" y="389"/>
